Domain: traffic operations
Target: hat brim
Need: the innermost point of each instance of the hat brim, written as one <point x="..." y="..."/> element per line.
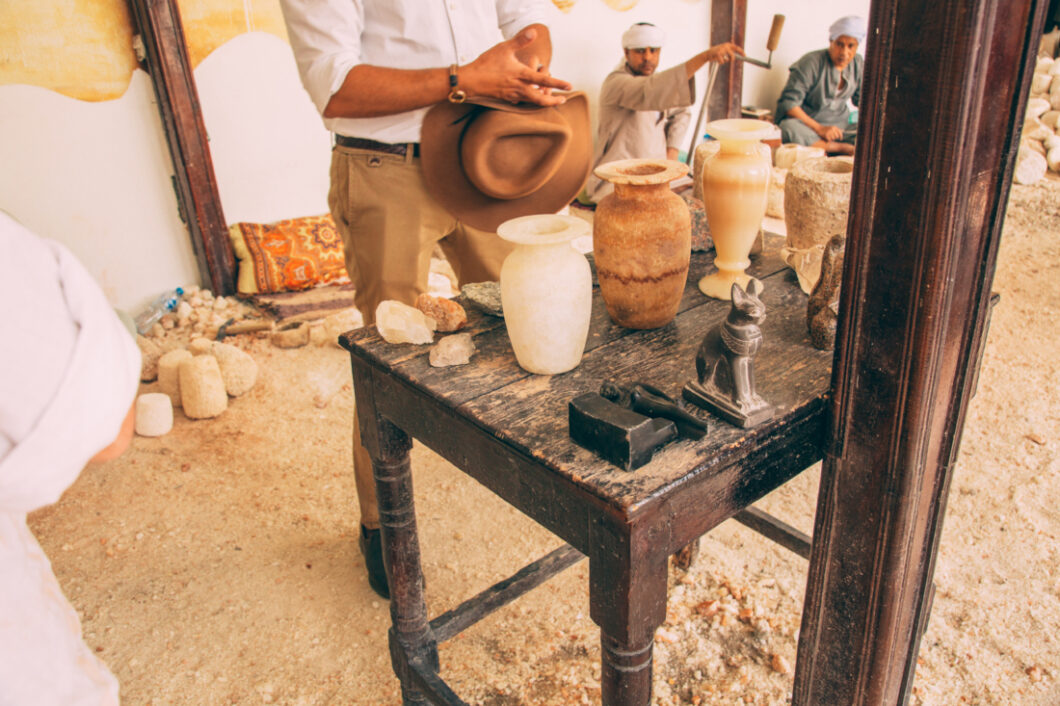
<point x="448" y="184"/>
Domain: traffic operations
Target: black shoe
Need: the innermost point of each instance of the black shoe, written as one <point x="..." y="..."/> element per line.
<point x="371" y="544"/>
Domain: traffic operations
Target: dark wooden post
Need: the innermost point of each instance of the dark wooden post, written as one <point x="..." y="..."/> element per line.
<point x="943" y="103"/>
<point x="728" y="23"/>
<point x="158" y="24"/>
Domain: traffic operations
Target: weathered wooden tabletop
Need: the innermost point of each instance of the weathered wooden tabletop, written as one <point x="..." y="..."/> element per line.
<point x="529" y="412"/>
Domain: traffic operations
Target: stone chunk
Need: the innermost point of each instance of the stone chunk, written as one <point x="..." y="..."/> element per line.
<point x="154" y="414"/>
<point x="200" y="346"/>
<point x="486" y="296"/>
<point x="452" y="350"/>
<point x="150" y="352"/>
<point x="401" y="323"/>
<point x="202" y="389"/>
<point x="291" y="336"/>
<point x="169" y="373"/>
<point x="1030" y="168"/>
<point x="238" y="369"/>
<point x="447" y="314"/>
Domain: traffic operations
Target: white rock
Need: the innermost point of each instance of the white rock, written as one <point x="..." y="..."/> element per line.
<point x="1044" y="65"/>
<point x="401" y="323"/>
<point x="1053" y="159"/>
<point x="200" y="346"/>
<point x="1054" y="100"/>
<point x="1052" y="140"/>
<point x="1035" y="129"/>
<point x="1054" y="68"/>
<point x="202" y="389"/>
<point x="1035" y="108"/>
<point x="1040" y="83"/>
<point x="1049" y="118"/>
<point x="1028" y="144"/>
<point x="1030" y="167"/>
<point x="154" y="414"/>
<point x="452" y="350"/>
<point x="169" y="373"/>
<point x="183" y="311"/>
<point x="239" y="370"/>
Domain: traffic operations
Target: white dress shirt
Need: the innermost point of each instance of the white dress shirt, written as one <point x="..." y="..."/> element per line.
<point x="330" y="37"/>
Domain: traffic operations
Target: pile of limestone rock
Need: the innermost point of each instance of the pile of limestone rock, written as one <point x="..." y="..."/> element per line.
<point x="1039" y="150"/>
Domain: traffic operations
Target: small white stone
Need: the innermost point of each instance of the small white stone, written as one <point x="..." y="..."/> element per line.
<point x="1030" y="167"/>
<point x="169" y="373"/>
<point x="154" y="414"/>
<point x="1053" y="159"/>
<point x="202" y="389"/>
<point x="200" y="346"/>
<point x="401" y="323"/>
<point x="183" y="311"/>
<point x="1044" y="64"/>
<point x="1035" y="108"/>
<point x="1049" y="118"/>
<point x="452" y="350"/>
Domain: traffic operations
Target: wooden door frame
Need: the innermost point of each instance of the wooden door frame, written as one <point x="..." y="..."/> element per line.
<point x="166" y="60"/>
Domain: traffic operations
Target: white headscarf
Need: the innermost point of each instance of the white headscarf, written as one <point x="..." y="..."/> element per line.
<point x="850" y="26"/>
<point x="643" y="35"/>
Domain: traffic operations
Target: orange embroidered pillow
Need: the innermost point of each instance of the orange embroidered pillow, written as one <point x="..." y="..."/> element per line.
<point x="288" y="255"/>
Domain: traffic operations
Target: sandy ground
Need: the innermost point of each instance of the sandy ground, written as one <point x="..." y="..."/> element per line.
<point x="218" y="564"/>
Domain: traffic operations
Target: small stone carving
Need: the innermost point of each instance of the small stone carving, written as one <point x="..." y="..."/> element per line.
<point x="401" y="323"/>
<point x="447" y="314"/>
<point x="653" y="402"/>
<point x="725" y="363"/>
<point x="202" y="389"/>
<point x="615" y="433"/>
<point x="154" y="414"/>
<point x="822" y="310"/>
<point x="452" y="350"/>
<point x="486" y="296"/>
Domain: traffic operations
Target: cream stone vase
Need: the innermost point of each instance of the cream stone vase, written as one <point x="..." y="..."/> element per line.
<point x="735" y="194"/>
<point x="546" y="292"/>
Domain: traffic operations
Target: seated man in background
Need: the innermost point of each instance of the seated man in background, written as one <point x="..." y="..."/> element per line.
<point x="644" y="114"/>
<point x="70" y="374"/>
<point x="813" y="109"/>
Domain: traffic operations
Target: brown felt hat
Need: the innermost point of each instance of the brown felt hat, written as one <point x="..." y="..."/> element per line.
<point x="486" y="161"/>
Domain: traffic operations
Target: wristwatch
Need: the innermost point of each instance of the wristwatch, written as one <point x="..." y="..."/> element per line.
<point x="456" y="95"/>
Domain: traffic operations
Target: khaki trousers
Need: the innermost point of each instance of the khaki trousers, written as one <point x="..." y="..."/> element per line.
<point x="390" y="226"/>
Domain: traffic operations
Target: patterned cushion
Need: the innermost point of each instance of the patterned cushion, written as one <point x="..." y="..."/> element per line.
<point x="288" y="255"/>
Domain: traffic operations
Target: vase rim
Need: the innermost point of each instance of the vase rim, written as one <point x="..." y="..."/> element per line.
<point x="746" y="129"/>
<point x="641" y="171"/>
<point x="543" y="229"/>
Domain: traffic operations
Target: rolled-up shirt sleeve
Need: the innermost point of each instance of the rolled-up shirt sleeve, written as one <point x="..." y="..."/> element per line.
<point x="660" y="91"/>
<point x="514" y="15"/>
<point x="326" y="41"/>
<point x="800" y="79"/>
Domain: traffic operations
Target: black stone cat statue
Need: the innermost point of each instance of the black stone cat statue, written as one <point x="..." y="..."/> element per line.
<point x="725" y="363"/>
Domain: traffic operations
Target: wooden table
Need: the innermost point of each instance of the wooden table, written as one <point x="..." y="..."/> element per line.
<point x="508" y="429"/>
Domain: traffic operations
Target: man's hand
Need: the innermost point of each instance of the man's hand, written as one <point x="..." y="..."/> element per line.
<point x="829" y="133"/>
<point x="723" y="53"/>
<point x="515" y="70"/>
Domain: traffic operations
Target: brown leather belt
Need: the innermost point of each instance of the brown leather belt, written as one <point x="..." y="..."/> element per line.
<point x="360" y="143"/>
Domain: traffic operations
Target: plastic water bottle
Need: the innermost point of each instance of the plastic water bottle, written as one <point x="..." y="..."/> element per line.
<point x="162" y="305"/>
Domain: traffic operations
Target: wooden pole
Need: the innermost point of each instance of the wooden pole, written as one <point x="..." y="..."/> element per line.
<point x="943" y="102"/>
<point x="728" y="23"/>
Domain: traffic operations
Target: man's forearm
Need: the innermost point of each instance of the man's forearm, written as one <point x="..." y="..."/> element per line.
<point x="802" y="116"/>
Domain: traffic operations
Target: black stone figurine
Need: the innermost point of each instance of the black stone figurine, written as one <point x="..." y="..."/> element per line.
<point x="822" y="311"/>
<point x="725" y="363"/>
<point x="653" y="402"/>
<point x="615" y="433"/>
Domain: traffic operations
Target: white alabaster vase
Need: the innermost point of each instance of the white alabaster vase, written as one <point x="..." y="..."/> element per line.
<point x="546" y="292"/>
<point x="735" y="194"/>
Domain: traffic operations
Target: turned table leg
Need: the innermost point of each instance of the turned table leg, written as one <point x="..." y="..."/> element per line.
<point x="410" y="633"/>
<point x="627" y="599"/>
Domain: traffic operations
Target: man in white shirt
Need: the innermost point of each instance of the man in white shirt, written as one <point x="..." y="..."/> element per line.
<point x="644" y="114"/>
<point x="373" y="68"/>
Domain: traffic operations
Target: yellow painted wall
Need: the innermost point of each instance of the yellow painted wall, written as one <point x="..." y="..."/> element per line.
<point x="83" y="48"/>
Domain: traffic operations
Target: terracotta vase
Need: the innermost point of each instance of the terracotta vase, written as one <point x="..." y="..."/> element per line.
<point x="735" y="193"/>
<point x="642" y="241"/>
<point x="546" y="292"/>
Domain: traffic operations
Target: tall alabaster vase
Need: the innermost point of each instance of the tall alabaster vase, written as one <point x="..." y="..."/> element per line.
<point x="735" y="194"/>
<point x="642" y="242"/>
<point x="546" y="292"/>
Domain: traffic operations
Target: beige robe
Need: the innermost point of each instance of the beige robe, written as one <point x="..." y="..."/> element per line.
<point x="69" y="375"/>
<point x="640" y="116"/>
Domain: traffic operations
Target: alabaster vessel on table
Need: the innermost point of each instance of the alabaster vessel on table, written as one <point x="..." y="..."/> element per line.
<point x="735" y="193"/>
<point x="642" y="242"/>
<point x="546" y="292"/>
